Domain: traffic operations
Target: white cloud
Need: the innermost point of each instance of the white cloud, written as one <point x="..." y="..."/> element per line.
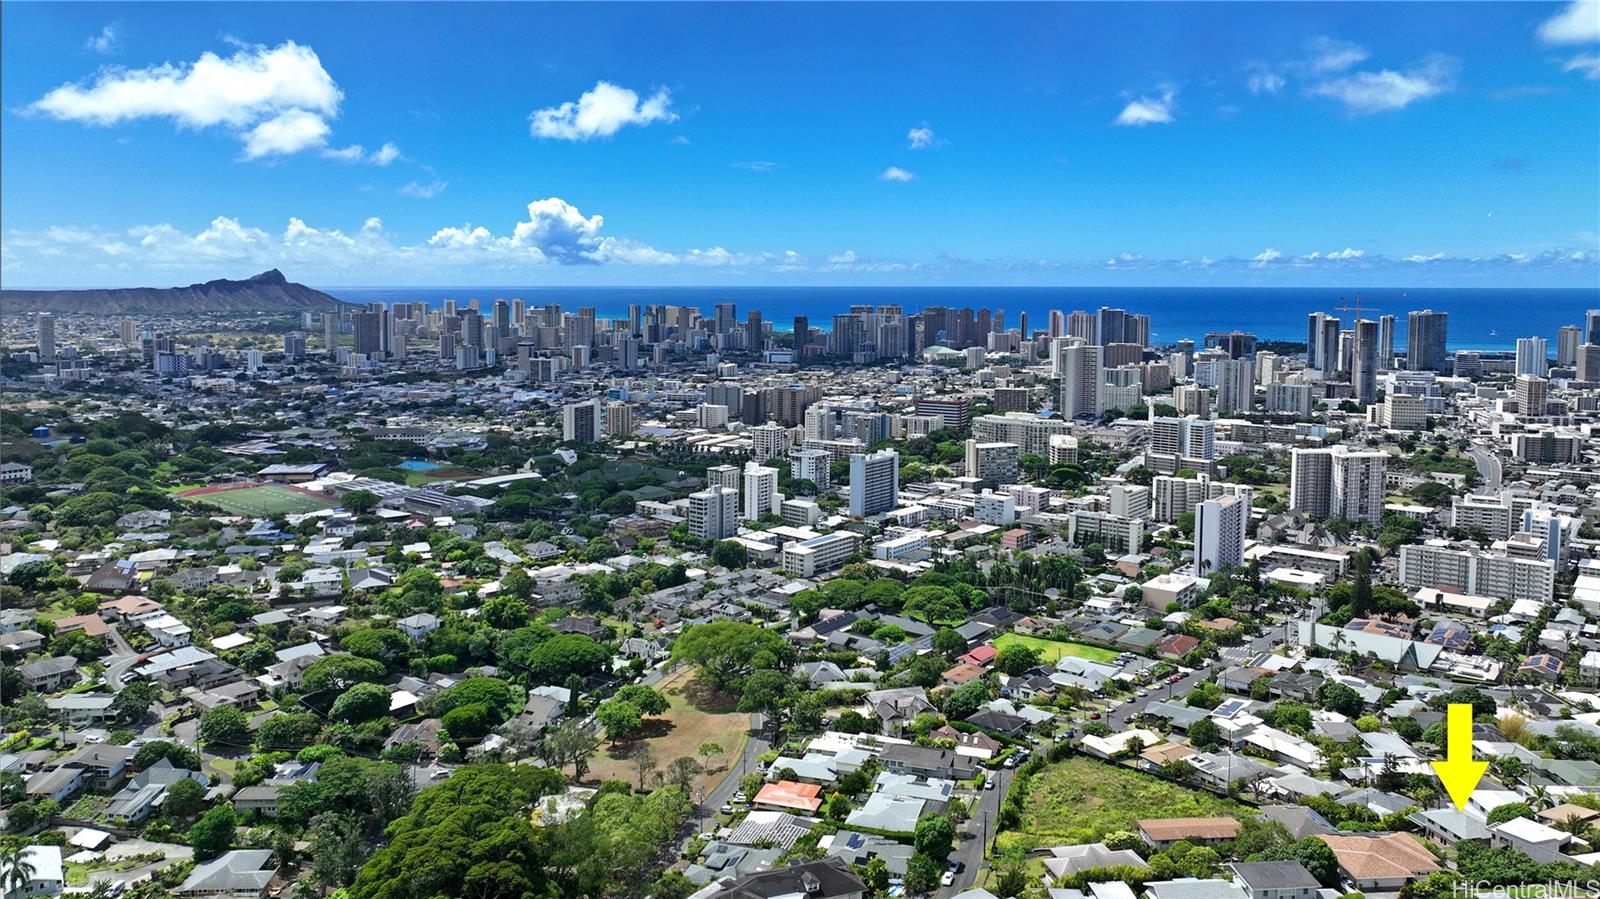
<point x="285" y="134"/>
<point x="681" y="141"/>
<point x="267" y="96"/>
<point x="847" y="256"/>
<point x="896" y="174"/>
<point x="352" y="153"/>
<point x="1264" y="81"/>
<point x="1419" y="258"/>
<point x="1261" y="259"/>
<point x="1331" y="55"/>
<point x="424" y="191"/>
<point x="109" y="40"/>
<point x="601" y="112"/>
<point x="1148" y="110"/>
<point x="923" y="138"/>
<point x="1347" y="253"/>
<point x="385" y="154"/>
<point x="1579" y="23"/>
<point x="1364" y="93"/>
<point x="1586" y="63"/>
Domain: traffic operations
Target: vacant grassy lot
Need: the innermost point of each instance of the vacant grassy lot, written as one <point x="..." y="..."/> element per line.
<point x="698" y="715"/>
<point x="1082" y="799"/>
<point x="264" y="501"/>
<point x="1051" y="650"/>
<point x="437" y="475"/>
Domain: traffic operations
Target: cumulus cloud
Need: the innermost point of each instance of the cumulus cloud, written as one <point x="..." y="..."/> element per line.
<point x="923" y="138"/>
<point x="1347" y="253"/>
<point x="1419" y="258"/>
<point x="1262" y="80"/>
<point x="1261" y="259"/>
<point x="277" y="100"/>
<point x="285" y="134"/>
<point x="385" y="154"/>
<point x="109" y="40"/>
<point x="1148" y="110"/>
<point x="1365" y="93"/>
<point x="896" y="174"/>
<point x="601" y="112"/>
<point x="1578" y="23"/>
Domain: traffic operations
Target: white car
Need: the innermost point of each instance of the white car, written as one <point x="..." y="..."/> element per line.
<point x="988" y="785"/>
<point x="948" y="879"/>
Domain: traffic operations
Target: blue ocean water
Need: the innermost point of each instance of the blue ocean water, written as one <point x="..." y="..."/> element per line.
<point x="1480" y="318"/>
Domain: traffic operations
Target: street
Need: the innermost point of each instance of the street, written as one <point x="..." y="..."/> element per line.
<point x="1488" y="467"/>
<point x="980" y="827"/>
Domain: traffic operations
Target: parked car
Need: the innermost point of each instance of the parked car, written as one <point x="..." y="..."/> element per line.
<point x="948" y="879"/>
<point x="988" y="785"/>
<point x="727" y="809"/>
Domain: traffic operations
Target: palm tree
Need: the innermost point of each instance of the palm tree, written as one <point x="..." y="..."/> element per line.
<point x="1539" y="797"/>
<point x="19" y="869"/>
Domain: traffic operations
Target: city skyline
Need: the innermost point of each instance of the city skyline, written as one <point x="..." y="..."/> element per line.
<point x="1347" y="144"/>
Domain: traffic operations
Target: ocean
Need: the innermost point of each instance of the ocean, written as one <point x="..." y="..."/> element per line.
<point x="1488" y="319"/>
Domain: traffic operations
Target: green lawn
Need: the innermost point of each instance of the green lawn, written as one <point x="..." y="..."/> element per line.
<point x="1051" y="650"/>
<point x="1081" y="799"/>
<point x="264" y="501"/>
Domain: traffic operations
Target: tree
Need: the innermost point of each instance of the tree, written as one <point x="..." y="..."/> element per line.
<point x="134" y="701"/>
<point x="620" y="718"/>
<point x="1504" y="813"/>
<point x="1337" y="697"/>
<point x="922" y="874"/>
<point x="385" y="644"/>
<point x="504" y="612"/>
<point x="646" y="699"/>
<point x="362" y="702"/>
<point x="1205" y="735"/>
<point x="962" y="702"/>
<point x="726" y="652"/>
<point x="213" y="833"/>
<point x="934" y="837"/>
<point x="644" y="761"/>
<point x="1016" y="658"/>
<point x="225" y="725"/>
<point x="553" y="660"/>
<point x="361" y="502"/>
<point x="1318" y="858"/>
<point x="288" y="730"/>
<point x="468" y="721"/>
<point x="1205" y="695"/>
<point x="837" y="807"/>
<point x="708" y="751"/>
<point x="729" y="554"/>
<point x="682" y="771"/>
<point x="337" y="848"/>
<point x="764" y="692"/>
<point x="392" y="790"/>
<point x="19" y="867"/>
<point x="571" y="743"/>
<point x="184" y="799"/>
<point x="948" y="643"/>
<point x="875" y="874"/>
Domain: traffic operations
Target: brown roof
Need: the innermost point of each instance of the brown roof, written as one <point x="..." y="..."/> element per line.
<point x="963" y="673"/>
<point x="1380" y="856"/>
<point x="1167" y="829"/>
<point x="1166" y="752"/>
<point x="91" y="624"/>
<point x="1567" y="811"/>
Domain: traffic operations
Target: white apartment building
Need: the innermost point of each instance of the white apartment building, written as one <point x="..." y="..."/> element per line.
<point x="995" y="508"/>
<point x="1290" y="399"/>
<point x="1493" y="514"/>
<point x="1172" y="496"/>
<point x="1338" y="482"/>
<point x="874" y="483"/>
<point x="1113" y="532"/>
<point x="810" y="465"/>
<point x="582" y="422"/>
<point x="809" y="558"/>
<point x="714" y="513"/>
<point x="769" y="441"/>
<point x="992" y="463"/>
<point x="761" y="494"/>
<point x="1219" y="527"/>
<point x="1400" y="412"/>
<point x="1130" y="500"/>
<point x="1029" y="432"/>
<point x="1466" y="568"/>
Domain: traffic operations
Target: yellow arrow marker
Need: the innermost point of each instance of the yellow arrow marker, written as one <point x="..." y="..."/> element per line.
<point x="1458" y="772"/>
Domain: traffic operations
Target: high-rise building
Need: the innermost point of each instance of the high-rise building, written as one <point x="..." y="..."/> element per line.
<point x="769" y="441"/>
<point x="619" y="419"/>
<point x="1364" y="375"/>
<point x="992" y="463"/>
<point x="1078" y="381"/>
<point x="130" y="332"/>
<point x="1568" y="339"/>
<point x="954" y="411"/>
<point x="1322" y="343"/>
<point x="1427" y="333"/>
<point x="47" y="336"/>
<point x="810" y="465"/>
<point x="1029" y="432"/>
<point x="802" y="335"/>
<point x="1589" y="362"/>
<point x="1338" y="482"/>
<point x="1109" y="325"/>
<point x="1290" y="399"/>
<point x="1533" y="356"/>
<point x="582" y="422"/>
<point x="330" y="332"/>
<point x="1236" y="385"/>
<point x="1386" y="342"/>
<point x="1083" y="326"/>
<point x="1219" y="528"/>
<point x="1192" y="400"/>
<point x="714" y="513"/>
<point x="1591" y="327"/>
<point x="369" y="339"/>
<point x="1531" y="393"/>
<point x="725" y="316"/>
<point x="761" y="496"/>
<point x="1179" y="443"/>
<point x="724" y="476"/>
<point x="1058" y="323"/>
<point x="1130" y="500"/>
<point x="294" y="345"/>
<point x="874" y="483"/>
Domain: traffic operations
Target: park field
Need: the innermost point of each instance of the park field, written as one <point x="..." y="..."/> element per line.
<point x="1052" y="650"/>
<point x="1082" y="799"/>
<point x="262" y="501"/>
<point x="698" y="715"/>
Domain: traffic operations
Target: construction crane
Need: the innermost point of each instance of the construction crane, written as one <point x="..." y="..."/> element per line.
<point x="1356" y="308"/>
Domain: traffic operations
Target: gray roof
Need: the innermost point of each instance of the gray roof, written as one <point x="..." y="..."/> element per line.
<point x="1284" y="875"/>
<point x="238" y="871"/>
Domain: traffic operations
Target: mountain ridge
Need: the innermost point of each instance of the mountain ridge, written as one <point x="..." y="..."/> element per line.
<point x="269" y="291"/>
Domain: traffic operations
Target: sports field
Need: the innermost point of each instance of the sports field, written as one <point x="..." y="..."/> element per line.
<point x="261" y="501"/>
<point x="1052" y="650"/>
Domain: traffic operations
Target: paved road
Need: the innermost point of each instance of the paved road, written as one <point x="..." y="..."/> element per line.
<point x="969" y="850"/>
<point x="725" y="788"/>
<point x="1488" y="467"/>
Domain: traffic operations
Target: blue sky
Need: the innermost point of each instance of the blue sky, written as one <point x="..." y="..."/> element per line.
<point x="705" y="144"/>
